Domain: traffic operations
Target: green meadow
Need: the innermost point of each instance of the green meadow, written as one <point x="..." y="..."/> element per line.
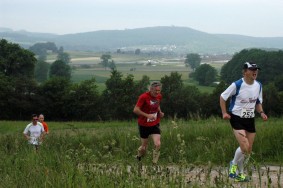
<point x="194" y="153"/>
<point x="154" y="72"/>
<point x="85" y="65"/>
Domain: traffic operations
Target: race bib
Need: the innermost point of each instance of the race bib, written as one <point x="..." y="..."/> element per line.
<point x="247" y="113"/>
<point x="34" y="141"/>
<point x="151" y="120"/>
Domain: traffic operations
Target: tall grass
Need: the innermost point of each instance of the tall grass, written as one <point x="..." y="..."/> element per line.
<point x="102" y="154"/>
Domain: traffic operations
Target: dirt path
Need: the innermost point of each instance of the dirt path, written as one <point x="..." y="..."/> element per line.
<point x="268" y="176"/>
<point x="196" y="176"/>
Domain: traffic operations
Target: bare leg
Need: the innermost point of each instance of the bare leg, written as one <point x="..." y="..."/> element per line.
<point x="157" y="143"/>
<point x="245" y="140"/>
<point x="142" y="148"/>
<point x="242" y="140"/>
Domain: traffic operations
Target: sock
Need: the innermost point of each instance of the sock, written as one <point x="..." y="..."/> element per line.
<point x="238" y="156"/>
<point x="241" y="165"/>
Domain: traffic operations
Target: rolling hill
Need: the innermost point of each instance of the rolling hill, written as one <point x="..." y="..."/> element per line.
<point x="160" y="38"/>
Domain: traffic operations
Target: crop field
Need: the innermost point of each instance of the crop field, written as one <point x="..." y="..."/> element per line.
<point x="153" y="72"/>
<point x="86" y="65"/>
<point x="194" y="153"/>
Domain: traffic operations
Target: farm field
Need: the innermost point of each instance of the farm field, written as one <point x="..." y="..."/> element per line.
<point x="138" y="70"/>
<point x="194" y="153"/>
<point x="86" y="66"/>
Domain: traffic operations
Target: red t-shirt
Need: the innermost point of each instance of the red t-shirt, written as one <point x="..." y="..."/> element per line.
<point x="45" y="126"/>
<point x="149" y="105"/>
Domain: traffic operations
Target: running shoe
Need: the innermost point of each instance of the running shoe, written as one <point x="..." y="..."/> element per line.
<point x="233" y="170"/>
<point x="242" y="178"/>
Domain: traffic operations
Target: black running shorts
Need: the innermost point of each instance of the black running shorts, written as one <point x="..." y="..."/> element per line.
<point x="239" y="123"/>
<point x="146" y="131"/>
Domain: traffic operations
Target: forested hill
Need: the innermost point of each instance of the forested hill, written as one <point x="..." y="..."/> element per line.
<point x="166" y="38"/>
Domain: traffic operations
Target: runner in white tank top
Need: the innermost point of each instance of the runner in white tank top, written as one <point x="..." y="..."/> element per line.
<point x="246" y="98"/>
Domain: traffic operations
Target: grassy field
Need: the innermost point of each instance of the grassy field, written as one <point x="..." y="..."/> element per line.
<point x="86" y="66"/>
<point x="154" y="72"/>
<point x="102" y="154"/>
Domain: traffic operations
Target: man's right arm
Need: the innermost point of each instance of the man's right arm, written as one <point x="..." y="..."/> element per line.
<point x="225" y="115"/>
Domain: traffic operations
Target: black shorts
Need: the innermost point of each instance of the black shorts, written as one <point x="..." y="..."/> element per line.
<point x="146" y="131"/>
<point x="239" y="123"/>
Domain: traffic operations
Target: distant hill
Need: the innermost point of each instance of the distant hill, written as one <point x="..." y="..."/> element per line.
<point x="161" y="38"/>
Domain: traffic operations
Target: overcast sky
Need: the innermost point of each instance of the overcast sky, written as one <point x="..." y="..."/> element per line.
<point x="259" y="18"/>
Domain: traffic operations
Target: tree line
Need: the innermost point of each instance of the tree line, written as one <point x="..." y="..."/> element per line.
<point x="62" y="100"/>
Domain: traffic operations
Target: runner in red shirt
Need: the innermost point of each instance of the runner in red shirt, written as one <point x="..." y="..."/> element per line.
<point x="149" y="114"/>
<point x="45" y="126"/>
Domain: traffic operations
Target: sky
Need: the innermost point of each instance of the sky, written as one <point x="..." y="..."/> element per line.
<point x="258" y="18"/>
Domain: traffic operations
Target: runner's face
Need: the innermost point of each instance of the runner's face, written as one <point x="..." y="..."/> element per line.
<point x="41" y="118"/>
<point x="155" y="91"/>
<point x="251" y="74"/>
<point x="34" y="120"/>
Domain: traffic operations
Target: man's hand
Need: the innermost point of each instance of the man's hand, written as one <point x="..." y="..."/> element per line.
<point x="151" y="116"/>
<point x="263" y="116"/>
<point x="226" y="116"/>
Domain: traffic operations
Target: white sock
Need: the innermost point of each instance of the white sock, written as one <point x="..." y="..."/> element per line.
<point x="238" y="156"/>
<point x="241" y="165"/>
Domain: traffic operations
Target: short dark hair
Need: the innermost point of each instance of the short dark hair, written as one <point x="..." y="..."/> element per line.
<point x="155" y="84"/>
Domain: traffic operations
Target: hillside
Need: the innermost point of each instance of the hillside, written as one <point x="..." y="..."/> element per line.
<point x="162" y="38"/>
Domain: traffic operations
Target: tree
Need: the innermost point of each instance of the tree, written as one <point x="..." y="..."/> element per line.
<point x="42" y="57"/>
<point x="209" y="104"/>
<point x="137" y="51"/>
<point x="63" y="56"/>
<point x="270" y="62"/>
<point x="83" y="101"/>
<point x="179" y="101"/>
<point x="16" y="61"/>
<point x="6" y="89"/>
<point x="40" y="49"/>
<point x="272" y="100"/>
<point x="41" y="71"/>
<point x="118" y="96"/>
<point x="278" y="82"/>
<point x="112" y="65"/>
<point x="105" y="58"/>
<point x="53" y="94"/>
<point x="142" y="85"/>
<point x="187" y="102"/>
<point x="16" y="97"/>
<point x="60" y="69"/>
<point x="170" y="85"/>
<point x="193" y="60"/>
<point x="205" y="74"/>
<point x="17" y="85"/>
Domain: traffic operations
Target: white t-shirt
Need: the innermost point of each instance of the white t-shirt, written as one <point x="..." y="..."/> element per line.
<point x="244" y="97"/>
<point x="34" y="131"/>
